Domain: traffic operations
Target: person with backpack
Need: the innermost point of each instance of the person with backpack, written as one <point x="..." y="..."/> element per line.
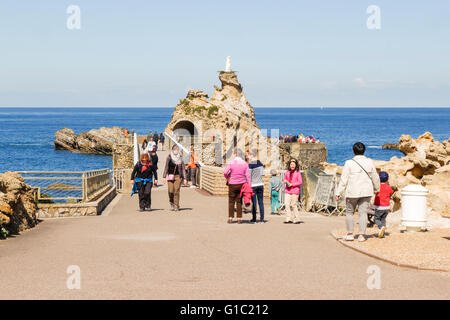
<point x="360" y="181"/>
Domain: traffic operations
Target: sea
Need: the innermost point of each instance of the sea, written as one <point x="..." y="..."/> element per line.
<point x="27" y="134"/>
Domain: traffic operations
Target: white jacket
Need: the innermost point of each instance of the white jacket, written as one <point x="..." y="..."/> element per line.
<point x="355" y="181"/>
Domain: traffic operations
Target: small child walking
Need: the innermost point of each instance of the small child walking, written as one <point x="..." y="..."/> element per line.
<point x="383" y="203"/>
<point x="274" y="189"/>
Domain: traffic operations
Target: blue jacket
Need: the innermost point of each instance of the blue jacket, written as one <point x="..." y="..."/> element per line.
<point x="144" y="181"/>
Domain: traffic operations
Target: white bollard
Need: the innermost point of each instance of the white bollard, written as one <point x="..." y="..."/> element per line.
<point x="414" y="207"/>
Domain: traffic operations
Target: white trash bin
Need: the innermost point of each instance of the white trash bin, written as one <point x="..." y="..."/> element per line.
<point x="414" y="207"/>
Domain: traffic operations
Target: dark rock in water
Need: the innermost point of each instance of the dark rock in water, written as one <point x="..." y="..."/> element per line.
<point x="96" y="141"/>
<point x="390" y="146"/>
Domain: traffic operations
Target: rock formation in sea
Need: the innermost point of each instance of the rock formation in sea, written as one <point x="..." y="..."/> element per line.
<point x="17" y="204"/>
<point x="228" y="108"/>
<point x="426" y="162"/>
<point x="228" y="119"/>
<point x="390" y="146"/>
<point x="96" y="141"/>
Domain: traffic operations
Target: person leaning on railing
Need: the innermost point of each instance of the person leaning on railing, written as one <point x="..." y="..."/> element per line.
<point x="142" y="181"/>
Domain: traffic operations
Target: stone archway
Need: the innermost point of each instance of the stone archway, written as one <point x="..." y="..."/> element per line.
<point x="185" y="132"/>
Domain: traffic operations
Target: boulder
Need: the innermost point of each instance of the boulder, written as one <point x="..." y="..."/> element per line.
<point x="96" y="141"/>
<point x="17" y="203"/>
<point x="439" y="187"/>
<point x="65" y="139"/>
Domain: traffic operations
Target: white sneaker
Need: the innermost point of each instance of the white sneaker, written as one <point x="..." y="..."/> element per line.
<point x="361" y="238"/>
<point x="349" y="237"/>
<point x="193" y="187"/>
<point x="381" y="233"/>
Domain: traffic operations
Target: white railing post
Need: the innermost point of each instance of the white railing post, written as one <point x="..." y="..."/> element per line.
<point x="135" y="148"/>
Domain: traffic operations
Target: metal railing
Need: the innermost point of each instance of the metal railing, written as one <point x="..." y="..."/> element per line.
<point x="67" y="186"/>
<point x="186" y="151"/>
<point x="94" y="181"/>
<point x="118" y="178"/>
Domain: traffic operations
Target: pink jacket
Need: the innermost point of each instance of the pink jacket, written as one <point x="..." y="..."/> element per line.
<point x="296" y="182"/>
<point x="237" y="172"/>
<point x="247" y="191"/>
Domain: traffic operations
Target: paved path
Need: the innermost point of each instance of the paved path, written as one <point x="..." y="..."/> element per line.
<point x="195" y="254"/>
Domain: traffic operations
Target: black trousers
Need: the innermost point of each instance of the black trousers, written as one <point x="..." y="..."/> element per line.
<point x="145" y="195"/>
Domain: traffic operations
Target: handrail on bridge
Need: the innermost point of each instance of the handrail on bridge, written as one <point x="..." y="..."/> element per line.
<point x="168" y="135"/>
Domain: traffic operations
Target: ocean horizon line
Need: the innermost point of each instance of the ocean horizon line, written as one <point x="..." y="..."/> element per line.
<point x="260" y="107"/>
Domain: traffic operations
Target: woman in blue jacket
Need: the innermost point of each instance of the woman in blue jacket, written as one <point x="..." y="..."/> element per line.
<point x="142" y="181"/>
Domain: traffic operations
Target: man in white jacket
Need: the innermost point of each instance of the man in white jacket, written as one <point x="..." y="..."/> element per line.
<point x="360" y="181"/>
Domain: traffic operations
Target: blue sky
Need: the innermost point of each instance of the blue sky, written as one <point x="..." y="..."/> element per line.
<point x="288" y="53"/>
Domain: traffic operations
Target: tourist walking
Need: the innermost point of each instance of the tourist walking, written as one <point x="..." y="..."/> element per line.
<point x="142" y="178"/>
<point x="236" y="173"/>
<point x="156" y="139"/>
<point x="192" y="169"/>
<point x="154" y="159"/>
<point x="161" y="140"/>
<point x="150" y="135"/>
<point x="275" y="185"/>
<point x="359" y="180"/>
<point x="256" y="176"/>
<point x="151" y="145"/>
<point x="292" y="181"/>
<point x="143" y="147"/>
<point x="382" y="203"/>
<point x="174" y="175"/>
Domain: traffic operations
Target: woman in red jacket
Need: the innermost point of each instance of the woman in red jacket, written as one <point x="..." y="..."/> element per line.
<point x="292" y="181"/>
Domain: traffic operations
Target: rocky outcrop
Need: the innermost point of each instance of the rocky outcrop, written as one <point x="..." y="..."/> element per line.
<point x="425" y="147"/>
<point x="228" y="119"/>
<point x="215" y="120"/>
<point x="17" y="204"/>
<point x="228" y="107"/>
<point x="96" y="141"/>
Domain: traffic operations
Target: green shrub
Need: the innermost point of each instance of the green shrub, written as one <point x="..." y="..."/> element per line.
<point x="3" y="233"/>
<point x="212" y="110"/>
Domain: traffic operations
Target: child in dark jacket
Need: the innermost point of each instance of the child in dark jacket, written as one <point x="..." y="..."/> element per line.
<point x="142" y="181"/>
<point x="382" y="203"/>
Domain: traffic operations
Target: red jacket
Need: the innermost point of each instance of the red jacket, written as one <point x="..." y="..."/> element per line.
<point x="247" y="193"/>
<point x="383" y="199"/>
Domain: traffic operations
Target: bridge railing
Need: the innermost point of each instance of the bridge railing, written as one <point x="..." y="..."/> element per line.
<point x="67" y="186"/>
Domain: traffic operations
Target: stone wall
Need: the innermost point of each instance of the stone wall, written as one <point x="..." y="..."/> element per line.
<point x="123" y="156"/>
<point x="309" y="155"/>
<point x="60" y="210"/>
